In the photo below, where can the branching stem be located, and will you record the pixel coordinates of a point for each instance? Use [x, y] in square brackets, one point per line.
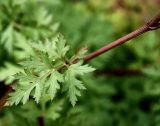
[151, 25]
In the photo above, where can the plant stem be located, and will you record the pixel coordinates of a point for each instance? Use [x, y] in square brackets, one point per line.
[40, 121]
[119, 72]
[3, 100]
[151, 25]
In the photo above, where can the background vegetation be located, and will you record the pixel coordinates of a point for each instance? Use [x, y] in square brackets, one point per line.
[125, 88]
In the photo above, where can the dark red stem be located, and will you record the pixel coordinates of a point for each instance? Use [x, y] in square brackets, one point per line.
[40, 121]
[151, 25]
[118, 72]
[3, 100]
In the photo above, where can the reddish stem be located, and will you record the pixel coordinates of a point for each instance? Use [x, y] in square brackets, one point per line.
[152, 25]
[41, 121]
[119, 72]
[3, 100]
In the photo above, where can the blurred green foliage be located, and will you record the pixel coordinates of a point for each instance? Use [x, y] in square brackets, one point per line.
[125, 89]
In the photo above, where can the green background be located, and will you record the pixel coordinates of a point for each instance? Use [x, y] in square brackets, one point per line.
[125, 88]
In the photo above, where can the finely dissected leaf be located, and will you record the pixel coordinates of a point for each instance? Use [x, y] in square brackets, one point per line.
[21, 93]
[7, 38]
[61, 48]
[53, 83]
[22, 46]
[55, 48]
[6, 73]
[73, 85]
[47, 46]
[43, 18]
[27, 83]
[38, 90]
[81, 52]
[79, 69]
[46, 69]
[40, 62]
[16, 30]
[25, 77]
[53, 112]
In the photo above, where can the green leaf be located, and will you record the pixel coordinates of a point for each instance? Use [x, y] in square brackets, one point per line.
[43, 18]
[46, 69]
[55, 48]
[39, 63]
[7, 38]
[81, 52]
[53, 111]
[61, 48]
[25, 77]
[79, 69]
[53, 83]
[7, 72]
[38, 91]
[47, 46]
[73, 85]
[21, 93]
[153, 71]
[27, 83]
